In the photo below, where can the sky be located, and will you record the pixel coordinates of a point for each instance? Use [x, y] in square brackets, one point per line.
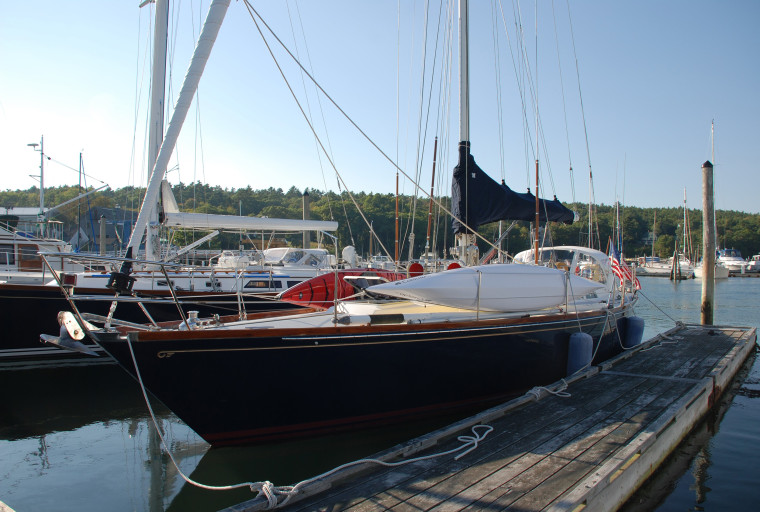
[629, 95]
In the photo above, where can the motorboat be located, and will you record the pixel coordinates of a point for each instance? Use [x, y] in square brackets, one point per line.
[732, 260]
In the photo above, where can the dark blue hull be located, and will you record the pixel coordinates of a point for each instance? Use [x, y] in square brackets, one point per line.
[256, 386]
[31, 310]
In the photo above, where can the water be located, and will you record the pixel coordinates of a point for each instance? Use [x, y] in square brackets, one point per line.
[81, 439]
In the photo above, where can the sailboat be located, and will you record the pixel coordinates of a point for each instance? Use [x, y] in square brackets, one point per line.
[29, 289]
[405, 351]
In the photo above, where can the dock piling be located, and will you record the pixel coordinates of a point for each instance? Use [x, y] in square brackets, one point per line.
[708, 244]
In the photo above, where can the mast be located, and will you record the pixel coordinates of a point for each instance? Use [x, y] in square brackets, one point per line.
[430, 203]
[464, 73]
[396, 260]
[214, 18]
[617, 226]
[538, 207]
[654, 233]
[712, 155]
[535, 241]
[465, 240]
[156, 122]
[686, 245]
[590, 212]
[79, 206]
[42, 177]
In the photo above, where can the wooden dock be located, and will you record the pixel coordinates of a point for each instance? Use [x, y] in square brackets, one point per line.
[587, 451]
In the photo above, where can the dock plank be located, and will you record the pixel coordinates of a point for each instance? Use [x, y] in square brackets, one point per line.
[540, 431]
[590, 449]
[561, 440]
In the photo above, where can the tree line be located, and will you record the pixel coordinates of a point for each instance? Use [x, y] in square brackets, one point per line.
[737, 230]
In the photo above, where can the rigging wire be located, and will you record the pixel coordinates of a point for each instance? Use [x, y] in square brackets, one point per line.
[525, 81]
[407, 220]
[254, 16]
[251, 11]
[592, 198]
[497, 77]
[422, 129]
[73, 169]
[564, 104]
[308, 104]
[139, 80]
[444, 123]
[420, 143]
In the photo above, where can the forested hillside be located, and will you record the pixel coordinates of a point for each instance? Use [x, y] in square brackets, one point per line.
[735, 229]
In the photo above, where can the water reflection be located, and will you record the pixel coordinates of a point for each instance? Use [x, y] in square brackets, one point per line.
[286, 463]
[684, 476]
[80, 439]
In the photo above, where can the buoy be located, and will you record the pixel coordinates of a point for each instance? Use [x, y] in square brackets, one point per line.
[416, 269]
[579, 351]
[634, 331]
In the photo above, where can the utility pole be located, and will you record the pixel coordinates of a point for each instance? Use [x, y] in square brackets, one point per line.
[41, 215]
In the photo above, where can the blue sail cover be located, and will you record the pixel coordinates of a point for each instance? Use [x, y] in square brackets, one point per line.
[477, 199]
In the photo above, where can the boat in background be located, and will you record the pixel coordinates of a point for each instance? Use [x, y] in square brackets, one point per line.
[754, 264]
[20, 262]
[146, 280]
[235, 280]
[654, 266]
[319, 292]
[732, 260]
[721, 272]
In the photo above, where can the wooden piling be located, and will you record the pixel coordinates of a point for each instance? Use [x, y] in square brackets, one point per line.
[708, 244]
[306, 216]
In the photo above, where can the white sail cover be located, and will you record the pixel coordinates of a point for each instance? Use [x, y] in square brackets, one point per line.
[208, 221]
[500, 287]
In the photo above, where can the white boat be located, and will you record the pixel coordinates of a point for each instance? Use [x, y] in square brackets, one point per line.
[269, 271]
[482, 287]
[20, 262]
[754, 264]
[659, 268]
[732, 260]
[721, 272]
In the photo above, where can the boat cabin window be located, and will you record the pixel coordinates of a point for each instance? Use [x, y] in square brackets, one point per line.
[28, 259]
[259, 284]
[293, 257]
[7, 255]
[291, 284]
[312, 261]
[734, 253]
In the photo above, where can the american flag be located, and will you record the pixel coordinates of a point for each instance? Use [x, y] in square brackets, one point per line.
[620, 268]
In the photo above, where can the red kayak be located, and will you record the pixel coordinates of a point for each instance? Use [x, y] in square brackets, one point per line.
[319, 291]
